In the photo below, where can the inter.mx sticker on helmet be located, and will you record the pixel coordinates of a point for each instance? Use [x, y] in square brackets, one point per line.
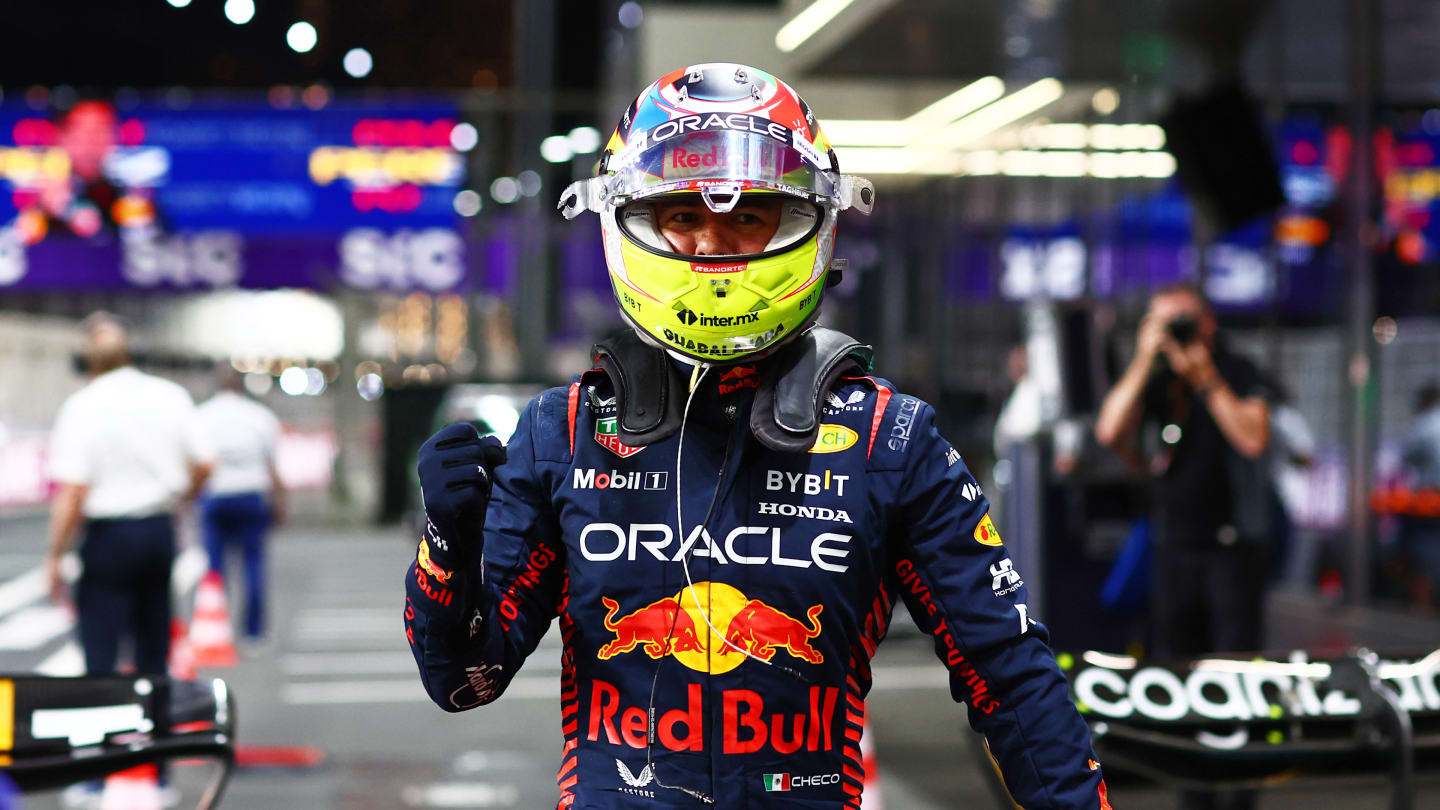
[689, 318]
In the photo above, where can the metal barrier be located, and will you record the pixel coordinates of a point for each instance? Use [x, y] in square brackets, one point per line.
[58, 731]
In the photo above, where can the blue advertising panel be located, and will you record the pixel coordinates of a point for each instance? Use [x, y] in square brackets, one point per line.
[230, 194]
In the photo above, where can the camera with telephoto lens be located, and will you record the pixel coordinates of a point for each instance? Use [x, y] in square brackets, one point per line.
[1184, 329]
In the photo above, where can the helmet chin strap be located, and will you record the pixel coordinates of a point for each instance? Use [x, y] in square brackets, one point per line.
[686, 361]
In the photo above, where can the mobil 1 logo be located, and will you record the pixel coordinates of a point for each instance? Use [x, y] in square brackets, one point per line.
[615, 479]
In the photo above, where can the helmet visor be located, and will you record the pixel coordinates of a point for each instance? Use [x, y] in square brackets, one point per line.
[741, 160]
[755, 225]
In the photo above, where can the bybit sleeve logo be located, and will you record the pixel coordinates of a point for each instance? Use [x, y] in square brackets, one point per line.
[834, 438]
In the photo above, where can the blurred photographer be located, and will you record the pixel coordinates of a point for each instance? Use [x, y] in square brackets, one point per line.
[1196, 417]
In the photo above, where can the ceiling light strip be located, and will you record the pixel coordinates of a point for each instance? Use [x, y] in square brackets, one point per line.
[1007, 110]
[804, 25]
[960, 103]
[1012, 163]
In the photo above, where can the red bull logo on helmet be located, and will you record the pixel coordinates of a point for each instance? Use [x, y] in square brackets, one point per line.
[738, 627]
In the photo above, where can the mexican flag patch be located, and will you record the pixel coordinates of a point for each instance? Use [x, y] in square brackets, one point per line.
[776, 781]
[606, 435]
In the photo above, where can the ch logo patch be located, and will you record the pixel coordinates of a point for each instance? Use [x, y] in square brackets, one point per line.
[834, 438]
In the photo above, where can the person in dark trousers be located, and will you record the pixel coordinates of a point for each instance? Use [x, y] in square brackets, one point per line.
[245, 494]
[125, 451]
[1211, 409]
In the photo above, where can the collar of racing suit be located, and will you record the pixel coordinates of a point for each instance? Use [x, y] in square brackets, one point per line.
[790, 385]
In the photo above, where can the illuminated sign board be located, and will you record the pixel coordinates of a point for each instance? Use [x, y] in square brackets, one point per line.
[224, 194]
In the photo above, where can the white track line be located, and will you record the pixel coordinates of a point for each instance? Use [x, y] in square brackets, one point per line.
[22, 590]
[33, 627]
[65, 662]
[29, 626]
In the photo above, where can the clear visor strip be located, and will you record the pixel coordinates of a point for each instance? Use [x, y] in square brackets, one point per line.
[593, 194]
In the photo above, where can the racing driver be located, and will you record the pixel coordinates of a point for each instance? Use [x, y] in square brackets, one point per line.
[723, 512]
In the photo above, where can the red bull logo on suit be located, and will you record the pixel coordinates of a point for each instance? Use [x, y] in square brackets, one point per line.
[677, 626]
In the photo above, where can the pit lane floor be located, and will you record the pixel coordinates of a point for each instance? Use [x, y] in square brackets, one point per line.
[337, 677]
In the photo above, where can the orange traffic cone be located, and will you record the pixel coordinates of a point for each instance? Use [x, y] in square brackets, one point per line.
[870, 799]
[182, 656]
[212, 642]
[134, 789]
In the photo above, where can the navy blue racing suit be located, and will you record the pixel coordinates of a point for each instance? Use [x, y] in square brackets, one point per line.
[762, 659]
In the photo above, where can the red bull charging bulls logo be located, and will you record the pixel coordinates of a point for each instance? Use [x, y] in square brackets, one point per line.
[738, 377]
[676, 626]
[659, 628]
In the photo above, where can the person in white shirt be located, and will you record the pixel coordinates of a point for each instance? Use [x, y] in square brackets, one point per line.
[125, 451]
[245, 493]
